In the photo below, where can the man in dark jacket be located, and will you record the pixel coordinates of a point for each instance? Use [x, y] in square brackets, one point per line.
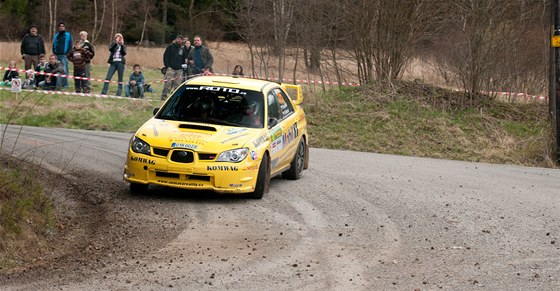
[51, 82]
[62, 44]
[32, 46]
[174, 62]
[201, 58]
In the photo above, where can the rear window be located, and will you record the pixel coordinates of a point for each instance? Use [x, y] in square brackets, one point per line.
[215, 105]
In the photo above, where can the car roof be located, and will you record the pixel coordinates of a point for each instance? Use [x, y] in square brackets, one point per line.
[232, 82]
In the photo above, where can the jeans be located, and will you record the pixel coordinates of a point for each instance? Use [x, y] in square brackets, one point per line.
[114, 67]
[86, 83]
[64, 61]
[136, 91]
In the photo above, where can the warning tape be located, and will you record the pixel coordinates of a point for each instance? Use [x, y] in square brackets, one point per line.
[68, 93]
[302, 81]
[518, 95]
[190, 76]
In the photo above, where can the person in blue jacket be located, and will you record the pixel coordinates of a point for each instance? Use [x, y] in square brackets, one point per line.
[62, 44]
[135, 86]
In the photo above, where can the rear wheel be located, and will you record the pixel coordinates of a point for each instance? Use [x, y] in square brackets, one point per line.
[136, 188]
[297, 164]
[263, 180]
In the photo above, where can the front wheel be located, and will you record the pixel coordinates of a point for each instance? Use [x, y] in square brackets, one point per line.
[263, 180]
[297, 164]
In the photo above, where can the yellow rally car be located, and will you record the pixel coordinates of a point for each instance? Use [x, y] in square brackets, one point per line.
[225, 134]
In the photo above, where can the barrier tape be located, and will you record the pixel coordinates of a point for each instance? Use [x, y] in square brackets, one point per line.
[68, 93]
[190, 76]
[525, 95]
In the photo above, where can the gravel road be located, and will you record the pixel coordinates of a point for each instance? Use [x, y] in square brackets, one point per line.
[355, 221]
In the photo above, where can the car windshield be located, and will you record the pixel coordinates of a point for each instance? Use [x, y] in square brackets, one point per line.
[215, 105]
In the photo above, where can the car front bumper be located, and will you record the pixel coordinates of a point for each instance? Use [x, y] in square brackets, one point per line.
[221, 177]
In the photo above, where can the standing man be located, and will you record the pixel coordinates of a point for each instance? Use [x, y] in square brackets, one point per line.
[173, 60]
[201, 58]
[62, 44]
[89, 47]
[32, 46]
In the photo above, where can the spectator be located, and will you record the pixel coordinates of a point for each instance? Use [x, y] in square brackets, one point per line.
[52, 82]
[174, 62]
[117, 60]
[62, 44]
[11, 72]
[188, 48]
[201, 58]
[135, 86]
[30, 81]
[88, 46]
[238, 71]
[32, 47]
[40, 70]
[79, 56]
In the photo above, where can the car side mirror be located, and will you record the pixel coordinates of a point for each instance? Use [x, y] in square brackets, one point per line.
[272, 122]
[155, 111]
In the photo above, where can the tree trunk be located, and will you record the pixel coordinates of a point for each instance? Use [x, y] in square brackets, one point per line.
[94, 20]
[101, 21]
[163, 20]
[144, 25]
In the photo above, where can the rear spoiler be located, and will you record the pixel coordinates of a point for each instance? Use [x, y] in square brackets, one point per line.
[299, 92]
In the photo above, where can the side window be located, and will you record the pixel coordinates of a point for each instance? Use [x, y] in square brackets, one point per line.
[284, 102]
[273, 107]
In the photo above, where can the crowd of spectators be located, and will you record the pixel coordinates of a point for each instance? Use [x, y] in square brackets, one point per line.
[181, 61]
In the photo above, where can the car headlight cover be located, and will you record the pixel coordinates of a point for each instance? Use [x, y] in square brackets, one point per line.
[139, 146]
[234, 156]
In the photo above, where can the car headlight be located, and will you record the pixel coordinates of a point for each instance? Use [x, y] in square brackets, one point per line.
[234, 156]
[139, 146]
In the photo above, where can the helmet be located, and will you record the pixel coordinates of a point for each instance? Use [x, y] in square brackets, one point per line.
[204, 105]
[250, 107]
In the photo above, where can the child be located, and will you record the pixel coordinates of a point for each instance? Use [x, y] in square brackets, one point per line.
[10, 74]
[79, 56]
[40, 68]
[135, 86]
[30, 81]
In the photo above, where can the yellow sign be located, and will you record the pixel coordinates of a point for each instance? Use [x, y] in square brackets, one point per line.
[555, 41]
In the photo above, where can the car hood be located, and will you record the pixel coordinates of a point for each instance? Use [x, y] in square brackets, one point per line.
[196, 136]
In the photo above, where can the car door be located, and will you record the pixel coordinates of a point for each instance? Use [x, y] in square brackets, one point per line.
[284, 134]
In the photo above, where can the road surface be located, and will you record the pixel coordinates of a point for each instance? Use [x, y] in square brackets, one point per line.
[355, 221]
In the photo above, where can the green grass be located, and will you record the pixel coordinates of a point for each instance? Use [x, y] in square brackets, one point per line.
[26, 213]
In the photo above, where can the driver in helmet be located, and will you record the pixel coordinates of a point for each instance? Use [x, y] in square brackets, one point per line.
[250, 114]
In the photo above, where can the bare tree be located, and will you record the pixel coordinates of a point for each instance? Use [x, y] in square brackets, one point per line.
[487, 44]
[96, 35]
[386, 34]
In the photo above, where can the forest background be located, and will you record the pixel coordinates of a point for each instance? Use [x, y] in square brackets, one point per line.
[491, 45]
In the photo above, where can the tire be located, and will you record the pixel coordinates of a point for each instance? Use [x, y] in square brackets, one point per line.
[136, 188]
[297, 164]
[263, 180]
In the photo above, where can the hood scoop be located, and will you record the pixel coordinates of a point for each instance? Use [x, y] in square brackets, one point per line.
[198, 127]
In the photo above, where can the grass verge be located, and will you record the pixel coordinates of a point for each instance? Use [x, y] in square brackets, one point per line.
[26, 213]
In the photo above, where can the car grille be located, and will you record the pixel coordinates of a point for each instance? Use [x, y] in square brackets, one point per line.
[182, 156]
[160, 152]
